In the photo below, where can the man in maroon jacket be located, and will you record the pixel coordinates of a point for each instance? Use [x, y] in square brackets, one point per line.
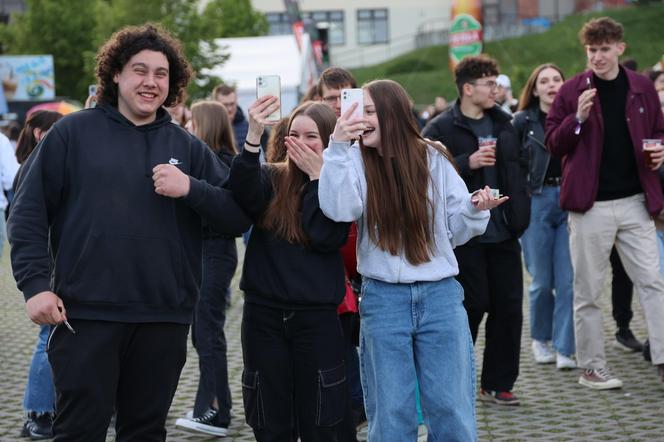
[597, 124]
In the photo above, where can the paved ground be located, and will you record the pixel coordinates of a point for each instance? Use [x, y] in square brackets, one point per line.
[554, 406]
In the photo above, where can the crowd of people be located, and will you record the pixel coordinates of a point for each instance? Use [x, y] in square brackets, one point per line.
[379, 232]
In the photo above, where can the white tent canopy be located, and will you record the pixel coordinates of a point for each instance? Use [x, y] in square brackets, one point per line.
[250, 57]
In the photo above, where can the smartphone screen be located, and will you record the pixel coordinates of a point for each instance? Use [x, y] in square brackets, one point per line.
[269, 85]
[350, 96]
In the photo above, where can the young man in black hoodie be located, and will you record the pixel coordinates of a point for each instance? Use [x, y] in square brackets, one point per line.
[106, 241]
[486, 149]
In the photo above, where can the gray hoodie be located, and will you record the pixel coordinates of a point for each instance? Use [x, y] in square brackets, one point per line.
[342, 192]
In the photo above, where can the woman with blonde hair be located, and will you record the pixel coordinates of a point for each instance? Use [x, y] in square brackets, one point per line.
[212, 406]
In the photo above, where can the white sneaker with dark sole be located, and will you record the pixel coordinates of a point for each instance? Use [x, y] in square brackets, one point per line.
[204, 424]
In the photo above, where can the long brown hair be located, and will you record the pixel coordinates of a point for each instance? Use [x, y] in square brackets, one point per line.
[399, 212]
[283, 213]
[213, 126]
[42, 120]
[527, 99]
[276, 143]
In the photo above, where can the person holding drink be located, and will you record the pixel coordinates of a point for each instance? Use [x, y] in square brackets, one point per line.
[598, 125]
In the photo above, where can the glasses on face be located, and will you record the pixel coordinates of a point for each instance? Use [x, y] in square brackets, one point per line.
[331, 99]
[490, 84]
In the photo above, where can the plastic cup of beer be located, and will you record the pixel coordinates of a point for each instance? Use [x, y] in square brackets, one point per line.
[649, 146]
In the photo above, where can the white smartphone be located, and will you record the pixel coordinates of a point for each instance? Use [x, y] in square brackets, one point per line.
[92, 90]
[269, 85]
[350, 96]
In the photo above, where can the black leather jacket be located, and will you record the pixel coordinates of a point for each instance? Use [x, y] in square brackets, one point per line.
[530, 130]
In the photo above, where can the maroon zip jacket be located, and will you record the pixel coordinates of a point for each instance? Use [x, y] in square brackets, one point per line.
[581, 153]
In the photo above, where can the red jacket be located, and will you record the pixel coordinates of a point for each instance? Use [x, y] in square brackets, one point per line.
[582, 153]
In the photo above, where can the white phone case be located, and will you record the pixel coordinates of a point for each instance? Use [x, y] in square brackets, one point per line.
[350, 96]
[269, 85]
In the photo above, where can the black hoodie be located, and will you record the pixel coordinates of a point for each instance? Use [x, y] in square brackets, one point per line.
[280, 274]
[86, 207]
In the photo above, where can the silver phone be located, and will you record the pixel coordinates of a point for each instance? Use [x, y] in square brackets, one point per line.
[269, 85]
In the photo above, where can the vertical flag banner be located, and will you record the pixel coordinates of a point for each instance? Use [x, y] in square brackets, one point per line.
[465, 30]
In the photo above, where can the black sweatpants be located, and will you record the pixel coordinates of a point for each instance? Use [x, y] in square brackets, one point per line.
[621, 292]
[492, 280]
[294, 379]
[132, 369]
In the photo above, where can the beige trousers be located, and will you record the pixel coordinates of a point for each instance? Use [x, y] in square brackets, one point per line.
[626, 223]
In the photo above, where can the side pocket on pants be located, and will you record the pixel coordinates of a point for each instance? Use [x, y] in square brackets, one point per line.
[50, 336]
[331, 396]
[253, 400]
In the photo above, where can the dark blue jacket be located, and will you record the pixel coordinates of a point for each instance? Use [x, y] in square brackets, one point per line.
[240, 127]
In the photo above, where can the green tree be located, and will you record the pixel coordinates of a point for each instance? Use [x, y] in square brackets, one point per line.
[233, 18]
[73, 30]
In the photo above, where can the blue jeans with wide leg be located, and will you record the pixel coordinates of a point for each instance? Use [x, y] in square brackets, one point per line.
[420, 332]
[39, 390]
[546, 252]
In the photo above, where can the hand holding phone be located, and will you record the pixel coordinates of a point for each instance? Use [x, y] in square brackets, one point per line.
[269, 85]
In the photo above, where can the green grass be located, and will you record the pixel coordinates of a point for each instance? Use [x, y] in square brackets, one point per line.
[425, 72]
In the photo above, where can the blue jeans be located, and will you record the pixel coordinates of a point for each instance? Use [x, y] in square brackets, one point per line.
[417, 332]
[39, 390]
[546, 252]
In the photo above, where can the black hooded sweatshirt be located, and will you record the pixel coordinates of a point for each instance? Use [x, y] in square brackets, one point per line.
[280, 274]
[88, 225]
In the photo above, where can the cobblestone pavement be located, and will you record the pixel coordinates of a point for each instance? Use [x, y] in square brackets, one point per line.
[553, 406]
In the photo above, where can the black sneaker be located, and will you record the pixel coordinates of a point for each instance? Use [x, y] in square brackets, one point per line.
[206, 424]
[627, 341]
[38, 426]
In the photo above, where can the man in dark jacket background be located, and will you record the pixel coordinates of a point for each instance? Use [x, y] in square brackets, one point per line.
[486, 151]
[227, 95]
[597, 124]
[106, 241]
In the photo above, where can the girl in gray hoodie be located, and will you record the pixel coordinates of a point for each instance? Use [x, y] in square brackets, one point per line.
[412, 209]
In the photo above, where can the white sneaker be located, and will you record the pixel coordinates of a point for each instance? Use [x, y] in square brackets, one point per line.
[599, 379]
[564, 362]
[542, 353]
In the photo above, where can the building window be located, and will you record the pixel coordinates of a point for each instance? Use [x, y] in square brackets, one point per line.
[336, 34]
[279, 23]
[372, 27]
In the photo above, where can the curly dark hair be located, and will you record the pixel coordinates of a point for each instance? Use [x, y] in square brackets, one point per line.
[601, 30]
[129, 41]
[473, 68]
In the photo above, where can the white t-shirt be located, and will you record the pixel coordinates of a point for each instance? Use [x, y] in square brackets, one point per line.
[8, 168]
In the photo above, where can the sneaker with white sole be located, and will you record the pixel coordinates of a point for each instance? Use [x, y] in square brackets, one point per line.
[542, 353]
[564, 362]
[599, 379]
[499, 397]
[205, 424]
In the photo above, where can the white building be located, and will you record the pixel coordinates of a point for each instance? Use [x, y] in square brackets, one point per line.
[364, 32]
